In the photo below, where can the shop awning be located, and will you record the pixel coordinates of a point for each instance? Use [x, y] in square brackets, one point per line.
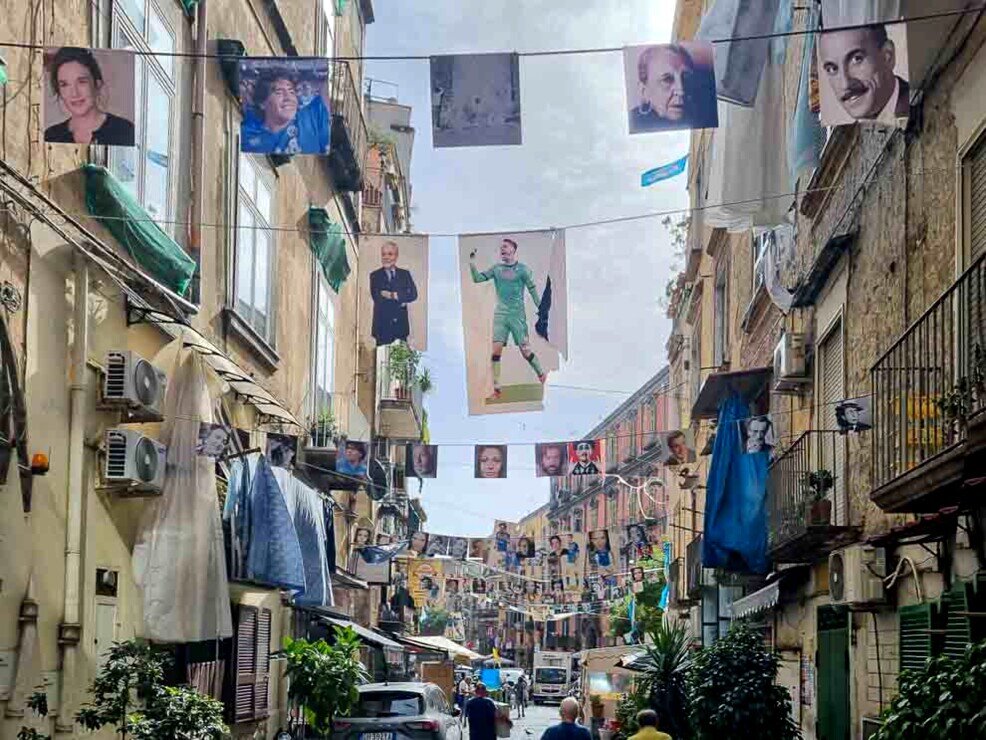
[759, 601]
[365, 634]
[444, 644]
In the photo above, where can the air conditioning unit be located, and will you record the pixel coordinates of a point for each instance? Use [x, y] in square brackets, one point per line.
[791, 363]
[136, 460]
[856, 575]
[133, 382]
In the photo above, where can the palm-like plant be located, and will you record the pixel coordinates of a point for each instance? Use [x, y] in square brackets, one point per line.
[665, 665]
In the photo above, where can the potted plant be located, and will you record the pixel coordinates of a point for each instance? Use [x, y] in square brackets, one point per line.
[323, 428]
[596, 702]
[425, 382]
[817, 485]
[403, 367]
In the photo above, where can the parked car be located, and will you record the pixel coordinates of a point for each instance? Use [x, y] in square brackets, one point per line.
[400, 711]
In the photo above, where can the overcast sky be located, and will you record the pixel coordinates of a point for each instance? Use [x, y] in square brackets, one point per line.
[577, 164]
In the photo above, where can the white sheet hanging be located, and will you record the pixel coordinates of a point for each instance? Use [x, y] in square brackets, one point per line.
[853, 12]
[178, 559]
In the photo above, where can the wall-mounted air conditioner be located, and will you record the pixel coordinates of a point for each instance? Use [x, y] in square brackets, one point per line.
[135, 460]
[791, 363]
[135, 384]
[856, 575]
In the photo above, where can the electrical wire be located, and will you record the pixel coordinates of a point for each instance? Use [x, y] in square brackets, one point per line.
[539, 53]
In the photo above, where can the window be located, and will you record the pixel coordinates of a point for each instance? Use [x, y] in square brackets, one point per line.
[761, 244]
[324, 364]
[831, 382]
[327, 29]
[255, 249]
[974, 174]
[252, 676]
[720, 314]
[146, 169]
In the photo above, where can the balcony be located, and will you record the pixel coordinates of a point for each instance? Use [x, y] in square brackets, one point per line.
[929, 402]
[399, 397]
[347, 150]
[808, 500]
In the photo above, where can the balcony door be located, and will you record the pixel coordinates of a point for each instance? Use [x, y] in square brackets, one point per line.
[971, 295]
[830, 452]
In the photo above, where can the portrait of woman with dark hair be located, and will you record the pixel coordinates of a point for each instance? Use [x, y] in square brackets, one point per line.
[80, 86]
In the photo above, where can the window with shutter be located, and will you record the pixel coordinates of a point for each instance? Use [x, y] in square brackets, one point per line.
[252, 664]
[958, 630]
[975, 177]
[831, 369]
[917, 635]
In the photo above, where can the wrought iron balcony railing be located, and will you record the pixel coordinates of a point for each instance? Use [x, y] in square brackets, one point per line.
[347, 150]
[808, 500]
[925, 389]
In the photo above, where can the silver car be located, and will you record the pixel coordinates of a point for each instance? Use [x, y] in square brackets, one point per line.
[400, 711]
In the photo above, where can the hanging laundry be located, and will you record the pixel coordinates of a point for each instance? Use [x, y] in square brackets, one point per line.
[739, 64]
[305, 507]
[837, 13]
[807, 137]
[273, 553]
[178, 559]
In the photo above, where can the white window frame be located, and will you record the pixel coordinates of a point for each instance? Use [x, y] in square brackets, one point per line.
[720, 316]
[148, 69]
[325, 43]
[262, 175]
[761, 244]
[323, 372]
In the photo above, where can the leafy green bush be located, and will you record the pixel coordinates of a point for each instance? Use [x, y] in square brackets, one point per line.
[734, 694]
[629, 704]
[324, 677]
[664, 677]
[946, 699]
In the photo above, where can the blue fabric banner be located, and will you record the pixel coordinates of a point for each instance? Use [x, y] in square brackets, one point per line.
[735, 506]
[663, 173]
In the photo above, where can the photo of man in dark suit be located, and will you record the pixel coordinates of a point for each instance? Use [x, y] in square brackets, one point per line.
[392, 288]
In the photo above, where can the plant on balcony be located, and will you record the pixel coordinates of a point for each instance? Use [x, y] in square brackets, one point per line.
[403, 368]
[955, 407]
[816, 486]
[425, 382]
[323, 677]
[733, 690]
[322, 430]
[944, 699]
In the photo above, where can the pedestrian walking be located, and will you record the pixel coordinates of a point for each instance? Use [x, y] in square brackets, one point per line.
[568, 728]
[481, 715]
[462, 693]
[647, 720]
[520, 696]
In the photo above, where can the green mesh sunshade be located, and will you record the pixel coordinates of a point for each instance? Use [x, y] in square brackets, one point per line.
[328, 244]
[189, 5]
[116, 208]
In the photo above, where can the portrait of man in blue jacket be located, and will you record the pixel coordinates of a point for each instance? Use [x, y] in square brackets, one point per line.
[392, 288]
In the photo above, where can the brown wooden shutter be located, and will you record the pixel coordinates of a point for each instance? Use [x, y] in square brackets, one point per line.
[261, 692]
[832, 378]
[977, 201]
[252, 664]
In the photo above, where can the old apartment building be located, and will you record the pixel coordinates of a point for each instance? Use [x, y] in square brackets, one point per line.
[874, 290]
[275, 328]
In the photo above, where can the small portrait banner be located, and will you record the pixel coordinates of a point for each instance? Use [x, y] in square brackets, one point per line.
[863, 75]
[475, 100]
[421, 460]
[373, 565]
[599, 551]
[757, 434]
[281, 449]
[437, 545]
[677, 447]
[638, 541]
[490, 461]
[394, 282]
[854, 415]
[479, 548]
[551, 459]
[89, 98]
[514, 317]
[285, 106]
[362, 537]
[352, 458]
[584, 457]
[671, 87]
[425, 581]
[458, 548]
[418, 543]
[213, 439]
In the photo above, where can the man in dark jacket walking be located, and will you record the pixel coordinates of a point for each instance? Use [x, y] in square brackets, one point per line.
[481, 715]
[392, 288]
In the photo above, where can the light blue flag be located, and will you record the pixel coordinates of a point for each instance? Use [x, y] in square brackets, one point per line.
[663, 173]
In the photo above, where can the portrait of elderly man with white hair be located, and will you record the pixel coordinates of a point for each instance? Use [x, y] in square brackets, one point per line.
[392, 289]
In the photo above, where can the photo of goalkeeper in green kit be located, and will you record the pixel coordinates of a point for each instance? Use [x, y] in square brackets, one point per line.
[512, 280]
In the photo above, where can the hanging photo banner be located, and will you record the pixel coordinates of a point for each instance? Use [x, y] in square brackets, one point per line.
[584, 457]
[671, 87]
[89, 97]
[418, 543]
[490, 461]
[421, 461]
[281, 449]
[373, 565]
[863, 75]
[352, 459]
[600, 554]
[551, 459]
[425, 578]
[638, 541]
[677, 447]
[479, 549]
[285, 106]
[475, 100]
[854, 415]
[362, 537]
[757, 434]
[514, 315]
[437, 545]
[213, 439]
[479, 586]
[458, 548]
[394, 281]
[659, 174]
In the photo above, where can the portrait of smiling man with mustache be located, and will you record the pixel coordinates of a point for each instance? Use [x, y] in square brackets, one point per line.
[859, 65]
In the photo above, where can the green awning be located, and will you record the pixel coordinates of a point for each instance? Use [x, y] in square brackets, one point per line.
[328, 244]
[189, 5]
[110, 203]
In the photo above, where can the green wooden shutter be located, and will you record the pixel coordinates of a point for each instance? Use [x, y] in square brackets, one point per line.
[958, 631]
[915, 636]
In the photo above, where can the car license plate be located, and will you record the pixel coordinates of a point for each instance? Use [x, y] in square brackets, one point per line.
[376, 736]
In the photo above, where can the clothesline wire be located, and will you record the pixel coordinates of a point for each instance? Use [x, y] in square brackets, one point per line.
[539, 53]
[583, 225]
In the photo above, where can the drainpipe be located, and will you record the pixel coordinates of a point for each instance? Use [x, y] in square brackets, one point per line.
[70, 630]
[198, 143]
